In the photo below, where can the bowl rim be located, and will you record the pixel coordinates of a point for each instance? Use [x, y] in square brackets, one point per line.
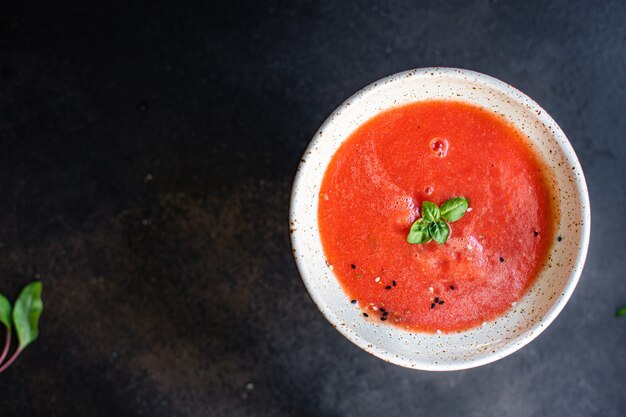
[581, 186]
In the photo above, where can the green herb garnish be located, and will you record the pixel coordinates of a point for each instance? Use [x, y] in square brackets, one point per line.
[430, 212]
[453, 209]
[434, 222]
[620, 312]
[23, 317]
[419, 232]
[439, 231]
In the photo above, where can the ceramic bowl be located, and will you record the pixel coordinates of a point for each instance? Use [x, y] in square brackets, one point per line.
[533, 312]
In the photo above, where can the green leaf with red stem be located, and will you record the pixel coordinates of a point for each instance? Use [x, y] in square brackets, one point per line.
[26, 312]
[5, 312]
[5, 318]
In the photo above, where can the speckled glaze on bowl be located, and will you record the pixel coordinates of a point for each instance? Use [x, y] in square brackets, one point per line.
[543, 301]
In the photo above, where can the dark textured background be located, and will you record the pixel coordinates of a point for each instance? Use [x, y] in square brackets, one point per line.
[146, 156]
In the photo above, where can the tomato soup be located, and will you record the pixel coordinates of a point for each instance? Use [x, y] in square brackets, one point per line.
[372, 192]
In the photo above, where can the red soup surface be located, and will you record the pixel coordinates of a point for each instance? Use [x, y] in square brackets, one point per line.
[435, 150]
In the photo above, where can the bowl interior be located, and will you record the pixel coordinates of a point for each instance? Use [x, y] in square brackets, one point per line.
[545, 298]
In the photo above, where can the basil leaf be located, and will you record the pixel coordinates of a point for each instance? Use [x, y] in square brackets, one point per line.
[430, 212]
[418, 232]
[26, 312]
[621, 312]
[5, 311]
[454, 208]
[439, 231]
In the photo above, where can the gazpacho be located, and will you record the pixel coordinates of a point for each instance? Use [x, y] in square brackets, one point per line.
[436, 216]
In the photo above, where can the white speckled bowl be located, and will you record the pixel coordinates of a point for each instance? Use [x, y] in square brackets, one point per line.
[544, 300]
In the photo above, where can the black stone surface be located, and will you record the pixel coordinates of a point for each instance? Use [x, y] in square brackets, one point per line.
[147, 150]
